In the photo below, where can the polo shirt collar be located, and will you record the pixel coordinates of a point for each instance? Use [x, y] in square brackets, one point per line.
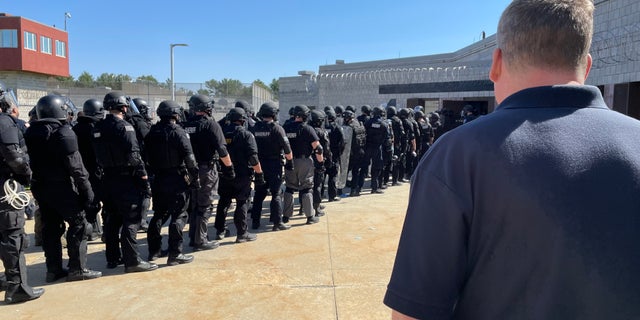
[559, 96]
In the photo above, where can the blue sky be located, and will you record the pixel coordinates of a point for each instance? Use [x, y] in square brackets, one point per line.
[249, 40]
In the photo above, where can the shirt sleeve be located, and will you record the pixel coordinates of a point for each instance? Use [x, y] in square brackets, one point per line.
[431, 260]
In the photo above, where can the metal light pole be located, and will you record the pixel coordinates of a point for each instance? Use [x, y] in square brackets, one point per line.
[173, 85]
[66, 15]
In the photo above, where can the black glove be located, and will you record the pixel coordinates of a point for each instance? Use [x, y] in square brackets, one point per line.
[228, 173]
[24, 180]
[288, 165]
[87, 199]
[259, 179]
[319, 167]
[195, 183]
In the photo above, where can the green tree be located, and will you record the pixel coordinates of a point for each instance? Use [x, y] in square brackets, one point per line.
[147, 79]
[259, 82]
[275, 88]
[212, 86]
[112, 81]
[85, 80]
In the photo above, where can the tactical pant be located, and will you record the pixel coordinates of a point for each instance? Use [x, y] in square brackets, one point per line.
[170, 202]
[272, 169]
[387, 159]
[12, 246]
[200, 203]
[373, 156]
[239, 189]
[332, 176]
[299, 179]
[59, 203]
[123, 196]
[356, 163]
[318, 182]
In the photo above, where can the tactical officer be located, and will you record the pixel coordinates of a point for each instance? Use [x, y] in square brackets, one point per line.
[356, 154]
[143, 108]
[399, 142]
[468, 113]
[272, 144]
[347, 133]
[426, 132]
[61, 185]
[292, 117]
[413, 154]
[436, 125]
[92, 112]
[409, 147]
[316, 120]
[377, 132]
[336, 143]
[339, 110]
[142, 127]
[365, 114]
[209, 148]
[14, 173]
[244, 154]
[304, 142]
[387, 155]
[175, 170]
[125, 183]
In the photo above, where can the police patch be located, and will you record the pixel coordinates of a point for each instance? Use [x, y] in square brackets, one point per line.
[96, 134]
[190, 129]
[129, 128]
[375, 125]
[292, 135]
[262, 134]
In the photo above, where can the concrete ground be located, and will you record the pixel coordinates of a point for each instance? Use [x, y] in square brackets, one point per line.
[335, 269]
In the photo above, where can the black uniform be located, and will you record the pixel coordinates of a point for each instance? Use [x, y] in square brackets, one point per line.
[14, 163]
[405, 149]
[208, 144]
[241, 146]
[357, 158]
[142, 127]
[272, 142]
[84, 131]
[412, 155]
[399, 144]
[336, 143]
[318, 175]
[60, 184]
[173, 164]
[300, 179]
[377, 133]
[118, 153]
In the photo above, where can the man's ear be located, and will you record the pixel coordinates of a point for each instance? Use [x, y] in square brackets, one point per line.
[496, 65]
[588, 68]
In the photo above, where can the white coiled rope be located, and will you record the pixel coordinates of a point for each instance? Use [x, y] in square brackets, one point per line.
[18, 200]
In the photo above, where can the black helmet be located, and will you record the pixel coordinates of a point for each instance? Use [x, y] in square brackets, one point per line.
[200, 103]
[339, 109]
[115, 100]
[418, 108]
[142, 105]
[327, 108]
[169, 109]
[419, 115]
[246, 106]
[404, 113]
[301, 111]
[348, 115]
[316, 118]
[469, 108]
[236, 114]
[291, 111]
[366, 109]
[377, 111]
[268, 109]
[391, 111]
[331, 115]
[434, 117]
[53, 107]
[93, 108]
[351, 108]
[7, 99]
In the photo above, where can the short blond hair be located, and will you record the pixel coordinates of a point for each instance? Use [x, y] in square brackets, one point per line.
[548, 34]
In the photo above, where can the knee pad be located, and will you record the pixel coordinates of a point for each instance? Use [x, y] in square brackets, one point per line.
[88, 229]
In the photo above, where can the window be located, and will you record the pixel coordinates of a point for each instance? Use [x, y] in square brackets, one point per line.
[61, 49]
[8, 38]
[45, 45]
[29, 40]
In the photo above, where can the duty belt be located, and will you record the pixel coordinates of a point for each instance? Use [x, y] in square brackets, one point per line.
[302, 156]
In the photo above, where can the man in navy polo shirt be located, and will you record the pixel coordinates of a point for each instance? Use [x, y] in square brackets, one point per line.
[536, 217]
